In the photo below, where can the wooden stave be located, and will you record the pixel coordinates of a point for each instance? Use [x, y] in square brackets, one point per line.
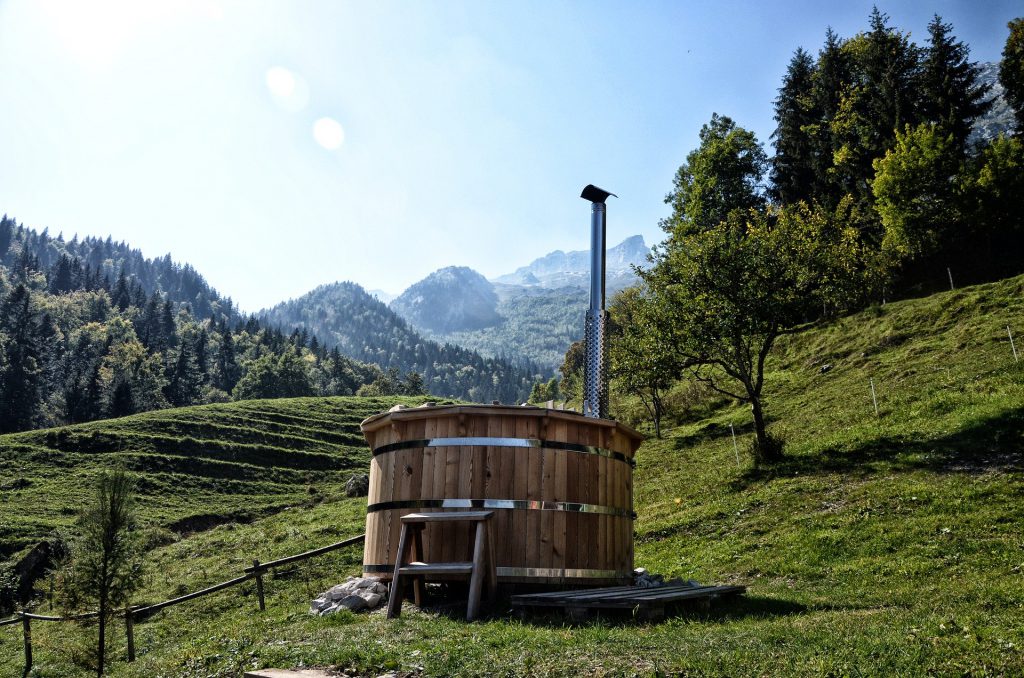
[578, 476]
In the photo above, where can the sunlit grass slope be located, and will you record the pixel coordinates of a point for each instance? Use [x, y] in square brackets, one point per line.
[884, 545]
[197, 466]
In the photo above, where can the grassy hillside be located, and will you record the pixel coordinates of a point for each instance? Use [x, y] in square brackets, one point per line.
[197, 465]
[883, 545]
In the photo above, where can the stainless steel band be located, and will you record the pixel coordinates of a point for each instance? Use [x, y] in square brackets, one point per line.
[516, 504]
[548, 572]
[503, 442]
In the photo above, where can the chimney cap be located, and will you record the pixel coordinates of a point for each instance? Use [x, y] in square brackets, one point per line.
[595, 194]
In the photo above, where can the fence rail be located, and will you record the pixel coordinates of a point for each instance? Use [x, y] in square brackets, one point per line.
[131, 614]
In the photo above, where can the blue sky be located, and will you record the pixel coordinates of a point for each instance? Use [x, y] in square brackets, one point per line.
[279, 146]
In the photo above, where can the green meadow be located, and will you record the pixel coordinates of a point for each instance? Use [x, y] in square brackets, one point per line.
[888, 544]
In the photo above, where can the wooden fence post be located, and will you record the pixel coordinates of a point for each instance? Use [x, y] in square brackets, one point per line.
[26, 627]
[129, 628]
[259, 585]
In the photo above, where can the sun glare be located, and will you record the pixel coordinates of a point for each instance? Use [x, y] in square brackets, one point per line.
[329, 133]
[289, 90]
[95, 33]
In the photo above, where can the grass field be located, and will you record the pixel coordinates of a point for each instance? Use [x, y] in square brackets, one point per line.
[883, 545]
[197, 466]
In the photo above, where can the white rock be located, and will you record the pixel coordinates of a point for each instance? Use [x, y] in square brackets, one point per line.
[373, 600]
[354, 603]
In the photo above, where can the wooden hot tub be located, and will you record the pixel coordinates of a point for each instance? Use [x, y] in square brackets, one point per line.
[560, 485]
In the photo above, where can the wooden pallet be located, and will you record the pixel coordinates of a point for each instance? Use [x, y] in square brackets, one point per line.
[648, 604]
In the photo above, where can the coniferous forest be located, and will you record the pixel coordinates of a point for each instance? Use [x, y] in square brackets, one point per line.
[91, 329]
[365, 329]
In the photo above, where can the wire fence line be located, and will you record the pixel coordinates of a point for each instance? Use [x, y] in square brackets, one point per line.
[132, 614]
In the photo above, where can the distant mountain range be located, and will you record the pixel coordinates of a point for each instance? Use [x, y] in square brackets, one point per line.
[535, 313]
[999, 119]
[572, 269]
[343, 314]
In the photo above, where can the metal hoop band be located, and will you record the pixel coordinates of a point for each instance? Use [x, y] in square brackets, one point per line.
[503, 442]
[515, 504]
[546, 572]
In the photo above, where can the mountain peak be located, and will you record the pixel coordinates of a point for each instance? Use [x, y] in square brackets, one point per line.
[450, 299]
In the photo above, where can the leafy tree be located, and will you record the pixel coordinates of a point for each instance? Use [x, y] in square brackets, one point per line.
[723, 174]
[414, 384]
[644, 355]
[796, 114]
[994, 191]
[293, 376]
[387, 383]
[571, 384]
[105, 563]
[734, 289]
[952, 96]
[1011, 70]
[259, 380]
[915, 189]
[284, 376]
[543, 391]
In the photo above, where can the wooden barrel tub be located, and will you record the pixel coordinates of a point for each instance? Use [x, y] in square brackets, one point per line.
[560, 485]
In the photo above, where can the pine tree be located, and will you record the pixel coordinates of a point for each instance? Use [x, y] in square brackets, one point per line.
[227, 372]
[6, 235]
[106, 555]
[202, 339]
[21, 376]
[121, 295]
[889, 66]
[60, 279]
[121, 402]
[184, 380]
[1011, 71]
[952, 96]
[832, 78]
[793, 167]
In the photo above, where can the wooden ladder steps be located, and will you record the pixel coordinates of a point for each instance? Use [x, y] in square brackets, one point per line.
[480, 568]
[437, 568]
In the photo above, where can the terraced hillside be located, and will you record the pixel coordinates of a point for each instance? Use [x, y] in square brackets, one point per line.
[198, 466]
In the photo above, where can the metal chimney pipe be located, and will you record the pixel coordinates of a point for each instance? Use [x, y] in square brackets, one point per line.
[595, 378]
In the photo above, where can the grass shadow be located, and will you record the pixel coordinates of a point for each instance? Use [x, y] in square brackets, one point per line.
[710, 432]
[992, 443]
[729, 609]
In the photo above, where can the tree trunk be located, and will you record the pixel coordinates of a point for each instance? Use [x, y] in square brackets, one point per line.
[101, 648]
[765, 451]
[657, 417]
[102, 645]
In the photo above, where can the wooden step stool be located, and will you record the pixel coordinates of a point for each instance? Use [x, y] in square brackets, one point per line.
[483, 558]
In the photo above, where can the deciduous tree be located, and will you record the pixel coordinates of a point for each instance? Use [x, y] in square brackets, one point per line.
[734, 289]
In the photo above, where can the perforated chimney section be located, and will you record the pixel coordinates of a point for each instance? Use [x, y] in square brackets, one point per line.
[595, 377]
